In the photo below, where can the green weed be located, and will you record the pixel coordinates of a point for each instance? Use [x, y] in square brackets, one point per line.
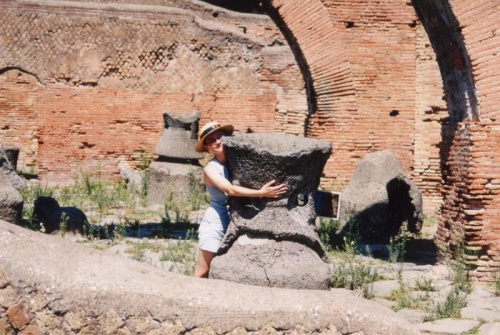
[397, 244]
[450, 308]
[182, 257]
[63, 226]
[405, 299]
[354, 274]
[460, 271]
[327, 231]
[426, 284]
[138, 250]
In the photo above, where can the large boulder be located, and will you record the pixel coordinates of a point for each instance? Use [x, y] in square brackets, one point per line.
[170, 177]
[6, 167]
[380, 198]
[48, 212]
[11, 201]
[60, 287]
[179, 136]
[273, 242]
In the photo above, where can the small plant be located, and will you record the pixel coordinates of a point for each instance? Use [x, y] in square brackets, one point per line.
[326, 231]
[192, 235]
[144, 162]
[120, 231]
[64, 224]
[182, 257]
[405, 299]
[455, 300]
[138, 250]
[397, 244]
[426, 284]
[354, 274]
[197, 193]
[460, 271]
[30, 219]
[497, 284]
[473, 331]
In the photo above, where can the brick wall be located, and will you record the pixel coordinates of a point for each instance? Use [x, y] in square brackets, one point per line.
[471, 207]
[430, 113]
[18, 126]
[104, 76]
[471, 180]
[376, 84]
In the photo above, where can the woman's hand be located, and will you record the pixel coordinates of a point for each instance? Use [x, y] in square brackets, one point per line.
[270, 191]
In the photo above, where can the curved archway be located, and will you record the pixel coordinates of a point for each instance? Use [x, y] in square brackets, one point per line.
[323, 59]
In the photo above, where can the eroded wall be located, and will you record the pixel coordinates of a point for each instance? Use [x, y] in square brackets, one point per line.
[104, 74]
[471, 178]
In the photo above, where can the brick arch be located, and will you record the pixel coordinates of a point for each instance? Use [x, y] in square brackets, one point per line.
[442, 28]
[314, 39]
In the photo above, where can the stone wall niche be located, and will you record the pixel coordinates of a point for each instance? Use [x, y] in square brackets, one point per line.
[273, 242]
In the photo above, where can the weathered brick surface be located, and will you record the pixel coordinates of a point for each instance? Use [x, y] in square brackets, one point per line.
[18, 115]
[480, 28]
[430, 112]
[100, 82]
[471, 207]
[471, 178]
[362, 57]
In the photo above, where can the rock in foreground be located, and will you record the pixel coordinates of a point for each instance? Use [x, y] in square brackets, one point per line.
[62, 285]
[273, 242]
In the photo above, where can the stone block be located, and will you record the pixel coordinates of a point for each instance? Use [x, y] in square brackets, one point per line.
[273, 242]
[11, 201]
[448, 326]
[8, 297]
[48, 212]
[10, 173]
[380, 197]
[179, 136]
[168, 177]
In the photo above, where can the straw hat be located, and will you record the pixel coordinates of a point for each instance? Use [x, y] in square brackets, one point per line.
[209, 128]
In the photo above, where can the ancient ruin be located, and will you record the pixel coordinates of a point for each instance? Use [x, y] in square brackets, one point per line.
[84, 85]
[273, 242]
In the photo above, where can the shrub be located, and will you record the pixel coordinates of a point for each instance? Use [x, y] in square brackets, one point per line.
[182, 257]
[327, 231]
[353, 275]
[450, 308]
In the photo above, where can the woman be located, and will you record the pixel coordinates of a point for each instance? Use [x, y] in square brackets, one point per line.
[215, 175]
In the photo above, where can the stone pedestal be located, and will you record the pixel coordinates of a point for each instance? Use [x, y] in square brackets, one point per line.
[166, 177]
[177, 164]
[273, 242]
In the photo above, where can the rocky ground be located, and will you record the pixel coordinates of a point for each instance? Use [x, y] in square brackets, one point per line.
[413, 289]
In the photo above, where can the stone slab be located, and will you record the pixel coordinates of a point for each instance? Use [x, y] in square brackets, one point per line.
[166, 177]
[448, 326]
[489, 329]
[478, 313]
[77, 278]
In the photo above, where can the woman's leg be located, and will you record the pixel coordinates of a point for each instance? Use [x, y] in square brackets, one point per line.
[203, 265]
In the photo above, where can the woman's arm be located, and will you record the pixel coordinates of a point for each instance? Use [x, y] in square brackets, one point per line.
[214, 178]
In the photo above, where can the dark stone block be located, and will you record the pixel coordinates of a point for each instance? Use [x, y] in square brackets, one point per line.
[279, 224]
